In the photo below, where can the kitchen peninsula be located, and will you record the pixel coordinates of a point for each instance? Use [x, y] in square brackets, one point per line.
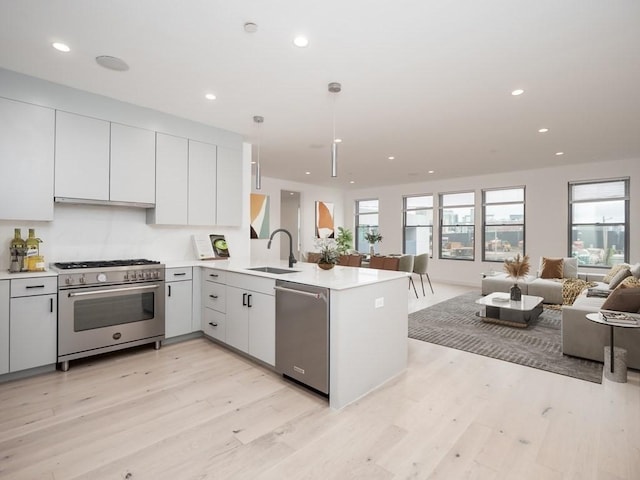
[368, 315]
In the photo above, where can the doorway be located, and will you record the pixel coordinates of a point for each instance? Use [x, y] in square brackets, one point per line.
[290, 220]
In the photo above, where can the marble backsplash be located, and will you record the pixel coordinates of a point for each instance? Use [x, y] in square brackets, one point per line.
[87, 232]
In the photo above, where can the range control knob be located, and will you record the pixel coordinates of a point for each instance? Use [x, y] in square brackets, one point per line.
[102, 277]
[82, 279]
[68, 280]
[141, 275]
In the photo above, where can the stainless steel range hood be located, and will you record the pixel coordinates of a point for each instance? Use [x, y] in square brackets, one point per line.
[87, 201]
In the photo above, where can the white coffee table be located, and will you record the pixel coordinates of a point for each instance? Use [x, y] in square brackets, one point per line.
[498, 308]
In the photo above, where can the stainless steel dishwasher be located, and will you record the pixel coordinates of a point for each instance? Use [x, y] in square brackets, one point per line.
[302, 334]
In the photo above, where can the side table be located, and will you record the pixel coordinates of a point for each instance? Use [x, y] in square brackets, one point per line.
[620, 376]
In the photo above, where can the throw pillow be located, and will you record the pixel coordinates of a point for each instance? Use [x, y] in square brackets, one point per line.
[619, 277]
[611, 273]
[623, 299]
[570, 267]
[631, 282]
[635, 270]
[551, 267]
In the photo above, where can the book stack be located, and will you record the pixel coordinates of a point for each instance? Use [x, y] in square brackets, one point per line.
[598, 292]
[619, 318]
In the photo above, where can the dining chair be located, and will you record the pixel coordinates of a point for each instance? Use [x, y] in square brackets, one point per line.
[405, 264]
[420, 265]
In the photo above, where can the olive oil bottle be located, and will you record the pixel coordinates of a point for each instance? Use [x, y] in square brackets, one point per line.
[34, 262]
[17, 249]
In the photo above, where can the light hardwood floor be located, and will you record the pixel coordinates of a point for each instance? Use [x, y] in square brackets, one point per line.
[194, 410]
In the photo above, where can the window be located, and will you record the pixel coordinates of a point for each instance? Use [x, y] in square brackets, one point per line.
[418, 224]
[599, 222]
[366, 221]
[503, 227]
[457, 224]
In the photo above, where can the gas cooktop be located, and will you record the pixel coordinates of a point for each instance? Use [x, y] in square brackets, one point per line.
[104, 264]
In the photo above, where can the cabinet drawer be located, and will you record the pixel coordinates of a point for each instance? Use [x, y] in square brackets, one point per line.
[177, 274]
[214, 324]
[212, 275]
[25, 287]
[214, 295]
[251, 282]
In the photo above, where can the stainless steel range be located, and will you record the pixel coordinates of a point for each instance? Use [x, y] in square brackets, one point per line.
[108, 305]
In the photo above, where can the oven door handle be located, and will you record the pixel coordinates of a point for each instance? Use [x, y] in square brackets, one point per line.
[112, 290]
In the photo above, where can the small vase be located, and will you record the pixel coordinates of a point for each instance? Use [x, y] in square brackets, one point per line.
[372, 250]
[326, 266]
[515, 293]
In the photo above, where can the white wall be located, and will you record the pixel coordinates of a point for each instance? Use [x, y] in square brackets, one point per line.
[309, 194]
[546, 212]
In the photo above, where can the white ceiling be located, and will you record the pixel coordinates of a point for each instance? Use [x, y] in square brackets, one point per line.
[426, 81]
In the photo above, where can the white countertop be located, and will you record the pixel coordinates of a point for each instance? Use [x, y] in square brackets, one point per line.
[338, 278]
[6, 275]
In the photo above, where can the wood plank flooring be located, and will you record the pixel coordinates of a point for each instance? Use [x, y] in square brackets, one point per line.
[194, 410]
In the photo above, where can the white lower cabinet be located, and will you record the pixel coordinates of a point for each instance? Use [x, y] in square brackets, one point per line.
[4, 326]
[214, 304]
[250, 325]
[33, 323]
[178, 303]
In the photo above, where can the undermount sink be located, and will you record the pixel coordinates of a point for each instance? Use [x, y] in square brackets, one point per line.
[278, 271]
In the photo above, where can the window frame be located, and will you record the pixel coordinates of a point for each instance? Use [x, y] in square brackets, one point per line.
[484, 218]
[357, 215]
[405, 209]
[442, 226]
[626, 198]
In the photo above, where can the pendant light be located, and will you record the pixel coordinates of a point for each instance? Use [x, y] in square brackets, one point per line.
[335, 88]
[258, 120]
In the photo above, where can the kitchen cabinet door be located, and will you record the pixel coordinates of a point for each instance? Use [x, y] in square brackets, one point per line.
[178, 308]
[229, 187]
[26, 159]
[202, 184]
[262, 327]
[237, 319]
[133, 165]
[33, 330]
[81, 157]
[4, 326]
[172, 181]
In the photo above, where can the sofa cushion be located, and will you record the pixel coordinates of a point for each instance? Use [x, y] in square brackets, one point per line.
[619, 277]
[631, 282]
[551, 268]
[611, 273]
[623, 299]
[635, 270]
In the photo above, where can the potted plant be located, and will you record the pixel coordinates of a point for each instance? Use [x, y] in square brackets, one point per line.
[344, 240]
[372, 237]
[517, 268]
[329, 253]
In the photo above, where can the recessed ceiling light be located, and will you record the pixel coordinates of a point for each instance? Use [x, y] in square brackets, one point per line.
[517, 92]
[253, 162]
[559, 153]
[61, 47]
[112, 63]
[291, 193]
[391, 158]
[307, 173]
[250, 27]
[338, 140]
[431, 171]
[301, 41]
[543, 130]
[210, 96]
[352, 181]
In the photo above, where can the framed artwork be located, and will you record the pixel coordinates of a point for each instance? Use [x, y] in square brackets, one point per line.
[259, 215]
[324, 220]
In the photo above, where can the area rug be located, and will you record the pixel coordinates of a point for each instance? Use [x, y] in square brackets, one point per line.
[453, 323]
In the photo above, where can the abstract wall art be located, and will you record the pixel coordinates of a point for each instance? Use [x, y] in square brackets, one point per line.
[259, 215]
[324, 220]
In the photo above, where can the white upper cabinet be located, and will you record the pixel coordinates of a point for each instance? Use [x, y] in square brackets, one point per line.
[26, 160]
[82, 157]
[101, 161]
[172, 181]
[229, 187]
[202, 183]
[133, 163]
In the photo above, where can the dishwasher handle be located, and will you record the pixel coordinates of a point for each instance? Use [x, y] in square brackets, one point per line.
[299, 292]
